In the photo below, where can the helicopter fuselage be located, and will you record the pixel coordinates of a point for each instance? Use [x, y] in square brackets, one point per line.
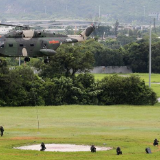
[16, 44]
[31, 43]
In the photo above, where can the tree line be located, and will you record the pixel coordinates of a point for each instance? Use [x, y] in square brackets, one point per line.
[21, 87]
[58, 84]
[134, 55]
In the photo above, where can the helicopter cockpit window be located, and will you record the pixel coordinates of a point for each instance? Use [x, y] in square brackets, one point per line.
[1, 44]
[10, 45]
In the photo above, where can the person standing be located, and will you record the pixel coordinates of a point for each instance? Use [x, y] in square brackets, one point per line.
[2, 130]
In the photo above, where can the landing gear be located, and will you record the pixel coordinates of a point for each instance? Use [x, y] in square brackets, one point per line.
[46, 60]
[26, 59]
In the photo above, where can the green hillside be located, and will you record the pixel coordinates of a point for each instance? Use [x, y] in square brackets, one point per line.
[125, 10]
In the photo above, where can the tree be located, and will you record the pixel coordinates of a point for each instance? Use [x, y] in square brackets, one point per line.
[110, 57]
[3, 67]
[68, 60]
[125, 90]
[102, 31]
[20, 87]
[116, 28]
[136, 56]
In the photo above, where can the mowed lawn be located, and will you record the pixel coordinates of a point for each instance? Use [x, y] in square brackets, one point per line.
[133, 128]
[155, 79]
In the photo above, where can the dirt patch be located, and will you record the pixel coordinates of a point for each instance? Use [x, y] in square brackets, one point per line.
[24, 138]
[62, 148]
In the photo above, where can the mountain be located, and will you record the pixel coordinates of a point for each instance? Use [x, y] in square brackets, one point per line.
[124, 10]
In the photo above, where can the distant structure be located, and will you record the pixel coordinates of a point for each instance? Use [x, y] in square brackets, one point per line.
[155, 15]
[5, 30]
[111, 69]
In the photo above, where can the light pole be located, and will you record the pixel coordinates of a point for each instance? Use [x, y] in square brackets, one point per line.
[150, 54]
[144, 11]
[45, 9]
[99, 11]
[19, 61]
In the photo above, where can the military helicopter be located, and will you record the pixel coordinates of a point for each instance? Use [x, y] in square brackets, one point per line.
[26, 42]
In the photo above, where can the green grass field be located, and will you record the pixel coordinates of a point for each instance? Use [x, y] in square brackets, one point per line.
[155, 78]
[133, 128]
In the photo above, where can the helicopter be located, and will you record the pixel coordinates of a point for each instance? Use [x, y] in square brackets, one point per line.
[26, 42]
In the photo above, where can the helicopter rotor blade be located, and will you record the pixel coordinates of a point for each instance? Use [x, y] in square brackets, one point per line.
[14, 25]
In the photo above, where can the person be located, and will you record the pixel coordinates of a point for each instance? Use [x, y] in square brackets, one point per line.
[43, 147]
[93, 148]
[118, 150]
[155, 142]
[148, 150]
[2, 130]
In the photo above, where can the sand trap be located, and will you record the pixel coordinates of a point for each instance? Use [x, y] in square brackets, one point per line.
[62, 148]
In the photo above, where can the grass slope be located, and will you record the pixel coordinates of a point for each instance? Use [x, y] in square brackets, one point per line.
[133, 128]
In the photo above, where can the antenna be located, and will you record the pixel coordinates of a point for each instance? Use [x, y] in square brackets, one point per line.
[144, 11]
[45, 9]
[66, 8]
[99, 11]
[150, 53]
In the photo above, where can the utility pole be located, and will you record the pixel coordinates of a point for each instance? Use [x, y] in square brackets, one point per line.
[99, 12]
[150, 54]
[66, 8]
[144, 7]
[135, 14]
[45, 9]
[19, 61]
[155, 25]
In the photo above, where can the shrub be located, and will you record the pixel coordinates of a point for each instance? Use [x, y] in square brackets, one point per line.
[125, 90]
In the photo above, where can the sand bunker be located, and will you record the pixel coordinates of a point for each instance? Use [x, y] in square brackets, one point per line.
[63, 148]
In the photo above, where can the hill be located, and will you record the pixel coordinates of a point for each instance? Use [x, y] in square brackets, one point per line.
[124, 10]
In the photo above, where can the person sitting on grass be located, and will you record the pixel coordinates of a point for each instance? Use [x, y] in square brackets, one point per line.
[118, 150]
[43, 147]
[93, 148]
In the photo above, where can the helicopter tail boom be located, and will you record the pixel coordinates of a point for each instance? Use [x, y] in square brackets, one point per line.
[83, 36]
